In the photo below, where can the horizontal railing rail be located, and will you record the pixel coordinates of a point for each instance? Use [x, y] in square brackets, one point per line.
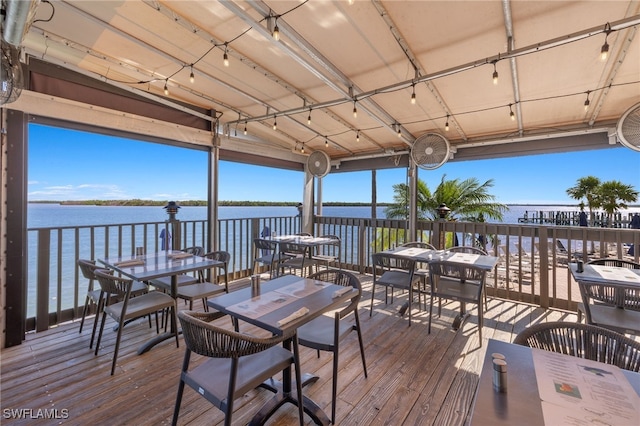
[532, 258]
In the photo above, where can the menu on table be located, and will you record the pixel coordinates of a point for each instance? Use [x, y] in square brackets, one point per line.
[576, 391]
[411, 251]
[464, 258]
[616, 274]
[267, 302]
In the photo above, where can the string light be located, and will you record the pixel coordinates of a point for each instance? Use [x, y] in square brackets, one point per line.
[309, 118]
[413, 94]
[326, 142]
[302, 149]
[275, 123]
[604, 51]
[358, 136]
[495, 73]
[192, 78]
[399, 130]
[355, 110]
[446, 125]
[276, 31]
[511, 114]
[586, 102]
[351, 2]
[245, 128]
[225, 57]
[166, 89]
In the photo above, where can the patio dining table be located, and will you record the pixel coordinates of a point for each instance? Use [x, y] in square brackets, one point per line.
[551, 388]
[424, 255]
[170, 263]
[281, 304]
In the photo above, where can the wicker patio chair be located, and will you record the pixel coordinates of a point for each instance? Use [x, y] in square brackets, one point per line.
[395, 272]
[325, 333]
[294, 256]
[329, 253]
[266, 254]
[164, 283]
[600, 295]
[462, 283]
[204, 289]
[584, 341]
[129, 308]
[88, 268]
[238, 362]
[422, 269]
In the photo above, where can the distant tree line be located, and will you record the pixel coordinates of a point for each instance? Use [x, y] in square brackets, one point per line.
[186, 203]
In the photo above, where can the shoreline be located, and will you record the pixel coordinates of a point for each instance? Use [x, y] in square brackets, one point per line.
[199, 203]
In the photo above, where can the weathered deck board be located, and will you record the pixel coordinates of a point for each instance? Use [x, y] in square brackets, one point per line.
[414, 378]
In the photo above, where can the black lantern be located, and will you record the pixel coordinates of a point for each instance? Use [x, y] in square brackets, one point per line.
[172, 209]
[443, 211]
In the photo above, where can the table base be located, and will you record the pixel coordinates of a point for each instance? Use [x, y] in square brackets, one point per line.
[158, 339]
[281, 397]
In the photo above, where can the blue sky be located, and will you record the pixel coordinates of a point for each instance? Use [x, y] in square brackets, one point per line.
[72, 165]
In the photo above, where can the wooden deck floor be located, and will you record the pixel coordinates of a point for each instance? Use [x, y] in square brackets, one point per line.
[415, 378]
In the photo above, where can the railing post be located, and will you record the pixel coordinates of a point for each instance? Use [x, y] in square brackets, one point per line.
[543, 244]
[362, 242]
[42, 292]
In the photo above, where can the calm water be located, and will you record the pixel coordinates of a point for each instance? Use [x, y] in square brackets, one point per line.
[46, 215]
[55, 215]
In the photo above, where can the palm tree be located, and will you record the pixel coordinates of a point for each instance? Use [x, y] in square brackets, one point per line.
[614, 195]
[587, 188]
[468, 200]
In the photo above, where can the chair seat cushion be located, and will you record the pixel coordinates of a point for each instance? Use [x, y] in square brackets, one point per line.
[622, 320]
[211, 378]
[165, 282]
[141, 305]
[199, 290]
[318, 334]
[396, 279]
[455, 290]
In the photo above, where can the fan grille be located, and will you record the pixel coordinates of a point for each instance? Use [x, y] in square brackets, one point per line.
[629, 128]
[11, 80]
[319, 163]
[430, 151]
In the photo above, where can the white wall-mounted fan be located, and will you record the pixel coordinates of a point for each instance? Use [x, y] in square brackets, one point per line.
[430, 151]
[628, 129]
[11, 78]
[319, 163]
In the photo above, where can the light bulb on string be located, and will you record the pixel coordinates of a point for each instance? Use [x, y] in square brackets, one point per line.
[276, 31]
[587, 102]
[399, 133]
[192, 77]
[302, 149]
[446, 125]
[495, 73]
[326, 142]
[355, 110]
[309, 118]
[225, 58]
[275, 123]
[511, 114]
[166, 89]
[604, 50]
[413, 95]
[245, 128]
[358, 136]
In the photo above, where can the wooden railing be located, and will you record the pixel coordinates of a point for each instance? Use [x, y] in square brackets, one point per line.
[532, 267]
